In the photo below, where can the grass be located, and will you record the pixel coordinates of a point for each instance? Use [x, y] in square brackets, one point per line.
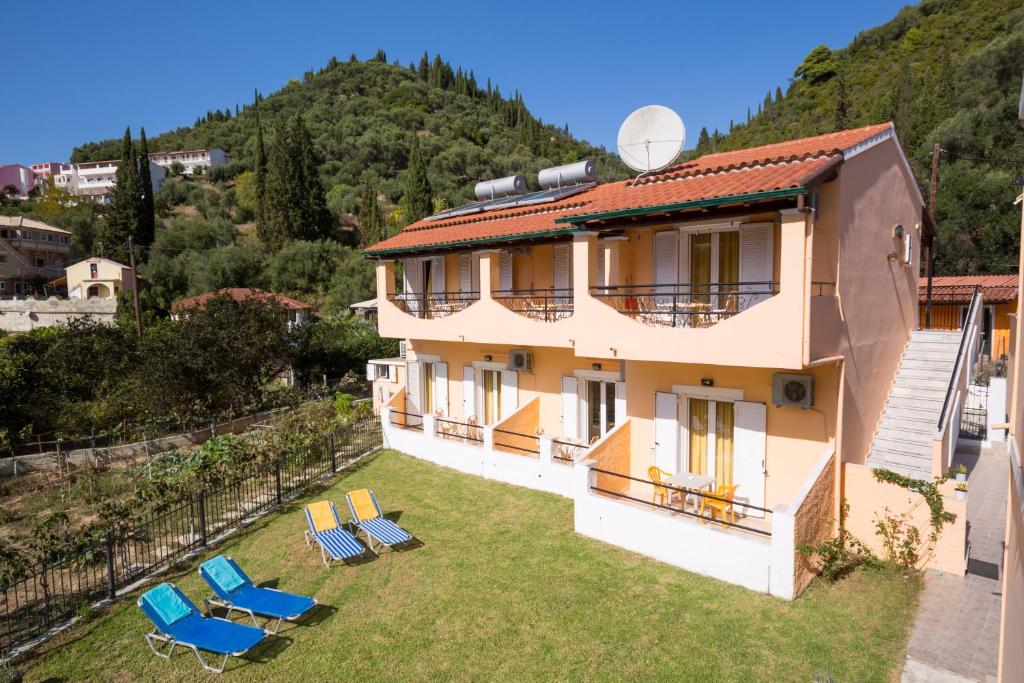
[503, 589]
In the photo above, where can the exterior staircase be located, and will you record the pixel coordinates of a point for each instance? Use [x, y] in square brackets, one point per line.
[903, 440]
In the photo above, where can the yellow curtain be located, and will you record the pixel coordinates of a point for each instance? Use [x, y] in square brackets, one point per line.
[428, 388]
[490, 397]
[728, 264]
[700, 266]
[723, 443]
[698, 436]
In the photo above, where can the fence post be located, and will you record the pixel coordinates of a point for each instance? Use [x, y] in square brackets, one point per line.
[108, 541]
[202, 518]
[277, 481]
[334, 455]
[46, 593]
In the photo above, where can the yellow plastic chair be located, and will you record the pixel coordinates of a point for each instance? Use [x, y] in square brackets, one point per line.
[655, 474]
[724, 507]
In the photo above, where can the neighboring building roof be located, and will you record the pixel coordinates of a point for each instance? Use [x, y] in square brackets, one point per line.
[99, 258]
[359, 305]
[769, 171]
[22, 222]
[994, 288]
[238, 294]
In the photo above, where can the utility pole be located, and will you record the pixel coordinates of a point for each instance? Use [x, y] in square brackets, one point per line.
[135, 289]
[933, 186]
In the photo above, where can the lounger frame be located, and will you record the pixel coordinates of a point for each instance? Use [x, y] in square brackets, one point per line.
[157, 635]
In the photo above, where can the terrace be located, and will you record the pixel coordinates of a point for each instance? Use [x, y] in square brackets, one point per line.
[504, 589]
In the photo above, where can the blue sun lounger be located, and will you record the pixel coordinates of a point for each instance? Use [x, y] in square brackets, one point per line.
[233, 590]
[326, 530]
[178, 622]
[368, 518]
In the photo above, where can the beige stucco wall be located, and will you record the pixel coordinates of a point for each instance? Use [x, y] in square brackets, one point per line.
[869, 498]
[27, 314]
[1011, 662]
[113, 276]
[877, 304]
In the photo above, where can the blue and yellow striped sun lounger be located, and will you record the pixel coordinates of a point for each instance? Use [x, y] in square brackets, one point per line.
[326, 530]
[368, 518]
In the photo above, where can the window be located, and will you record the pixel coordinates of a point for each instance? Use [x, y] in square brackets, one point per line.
[710, 447]
[40, 263]
[3, 286]
[64, 239]
[491, 380]
[600, 408]
[93, 271]
[3, 258]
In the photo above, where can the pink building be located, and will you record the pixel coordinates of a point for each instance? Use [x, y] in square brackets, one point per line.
[17, 176]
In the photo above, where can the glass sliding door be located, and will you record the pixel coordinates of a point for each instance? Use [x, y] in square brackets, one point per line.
[599, 409]
[728, 269]
[491, 384]
[700, 267]
[710, 445]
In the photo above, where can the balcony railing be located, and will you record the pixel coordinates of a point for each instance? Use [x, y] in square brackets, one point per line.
[547, 305]
[684, 304]
[433, 304]
[469, 431]
[566, 450]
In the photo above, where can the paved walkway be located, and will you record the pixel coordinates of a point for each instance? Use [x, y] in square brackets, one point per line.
[956, 632]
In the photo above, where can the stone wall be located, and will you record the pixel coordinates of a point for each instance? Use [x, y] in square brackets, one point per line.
[25, 315]
[813, 522]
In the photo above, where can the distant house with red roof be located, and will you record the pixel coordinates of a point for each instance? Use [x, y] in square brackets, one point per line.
[298, 312]
[951, 296]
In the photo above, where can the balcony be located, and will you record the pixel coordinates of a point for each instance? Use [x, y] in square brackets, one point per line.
[690, 304]
[546, 305]
[431, 305]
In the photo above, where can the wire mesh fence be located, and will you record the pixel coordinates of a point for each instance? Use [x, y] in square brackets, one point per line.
[62, 586]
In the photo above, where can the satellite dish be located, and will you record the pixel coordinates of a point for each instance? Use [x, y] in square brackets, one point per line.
[651, 138]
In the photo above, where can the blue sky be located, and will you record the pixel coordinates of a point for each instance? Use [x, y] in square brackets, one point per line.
[77, 72]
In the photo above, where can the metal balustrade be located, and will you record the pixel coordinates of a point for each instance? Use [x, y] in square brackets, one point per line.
[684, 304]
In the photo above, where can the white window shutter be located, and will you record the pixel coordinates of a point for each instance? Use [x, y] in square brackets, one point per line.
[666, 431]
[411, 285]
[412, 387]
[666, 257]
[755, 261]
[437, 284]
[570, 428]
[370, 372]
[505, 271]
[392, 373]
[468, 392]
[509, 392]
[562, 263]
[620, 402]
[441, 388]
[749, 455]
[465, 273]
[597, 278]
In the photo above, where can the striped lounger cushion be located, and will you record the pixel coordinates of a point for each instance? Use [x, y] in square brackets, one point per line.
[385, 530]
[339, 543]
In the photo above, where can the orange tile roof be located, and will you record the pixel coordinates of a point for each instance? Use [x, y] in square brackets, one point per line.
[238, 294]
[994, 288]
[781, 166]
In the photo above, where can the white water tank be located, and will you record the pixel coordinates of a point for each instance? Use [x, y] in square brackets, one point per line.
[570, 174]
[500, 187]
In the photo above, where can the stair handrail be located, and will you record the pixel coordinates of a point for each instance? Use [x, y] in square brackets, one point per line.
[970, 328]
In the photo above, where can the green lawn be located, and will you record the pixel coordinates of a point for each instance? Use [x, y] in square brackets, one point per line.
[503, 589]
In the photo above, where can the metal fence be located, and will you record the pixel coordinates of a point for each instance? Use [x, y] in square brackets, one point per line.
[684, 304]
[121, 556]
[458, 431]
[548, 305]
[516, 442]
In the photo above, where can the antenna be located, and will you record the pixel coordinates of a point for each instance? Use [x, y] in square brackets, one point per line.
[651, 138]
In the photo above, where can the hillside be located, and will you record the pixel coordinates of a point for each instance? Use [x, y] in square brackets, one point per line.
[361, 115]
[946, 72]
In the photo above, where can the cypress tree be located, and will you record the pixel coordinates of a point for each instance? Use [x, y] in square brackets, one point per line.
[424, 70]
[418, 197]
[842, 111]
[147, 216]
[260, 171]
[316, 217]
[371, 222]
[295, 205]
[123, 217]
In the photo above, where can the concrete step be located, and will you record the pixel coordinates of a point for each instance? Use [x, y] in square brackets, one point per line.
[914, 449]
[915, 414]
[915, 424]
[923, 463]
[922, 473]
[917, 393]
[929, 354]
[931, 364]
[928, 383]
[888, 432]
[937, 373]
[921, 334]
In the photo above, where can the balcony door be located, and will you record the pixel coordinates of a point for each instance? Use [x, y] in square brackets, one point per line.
[599, 408]
[427, 387]
[490, 392]
[714, 267]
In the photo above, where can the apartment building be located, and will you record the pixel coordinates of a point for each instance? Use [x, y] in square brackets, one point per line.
[190, 159]
[95, 179]
[46, 170]
[31, 252]
[722, 336]
[18, 177]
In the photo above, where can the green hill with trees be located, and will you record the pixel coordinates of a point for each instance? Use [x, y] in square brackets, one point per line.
[946, 72]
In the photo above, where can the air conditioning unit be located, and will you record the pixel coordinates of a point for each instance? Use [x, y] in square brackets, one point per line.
[520, 360]
[401, 349]
[796, 391]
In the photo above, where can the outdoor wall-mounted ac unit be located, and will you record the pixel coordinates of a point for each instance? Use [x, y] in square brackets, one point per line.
[796, 391]
[520, 360]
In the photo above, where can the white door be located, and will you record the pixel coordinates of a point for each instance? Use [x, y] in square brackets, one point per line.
[509, 392]
[755, 262]
[666, 431]
[412, 387]
[468, 392]
[570, 408]
[749, 456]
[441, 388]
